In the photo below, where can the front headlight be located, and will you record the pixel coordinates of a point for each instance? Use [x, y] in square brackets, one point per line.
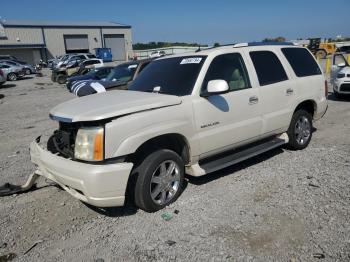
[89, 144]
[340, 75]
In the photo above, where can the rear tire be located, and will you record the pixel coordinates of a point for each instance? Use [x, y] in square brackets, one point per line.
[159, 180]
[300, 130]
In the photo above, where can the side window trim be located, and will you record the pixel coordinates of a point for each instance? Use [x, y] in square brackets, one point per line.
[242, 64]
[280, 62]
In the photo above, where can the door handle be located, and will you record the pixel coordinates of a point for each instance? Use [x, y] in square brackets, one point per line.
[289, 91]
[253, 100]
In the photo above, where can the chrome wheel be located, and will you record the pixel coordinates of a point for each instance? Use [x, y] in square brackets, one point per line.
[165, 182]
[302, 130]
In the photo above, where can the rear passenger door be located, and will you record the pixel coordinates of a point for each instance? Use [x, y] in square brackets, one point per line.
[276, 92]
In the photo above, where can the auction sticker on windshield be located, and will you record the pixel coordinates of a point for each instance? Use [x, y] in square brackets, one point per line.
[191, 60]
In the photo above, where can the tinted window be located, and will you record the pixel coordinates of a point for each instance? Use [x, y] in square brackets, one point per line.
[91, 56]
[268, 67]
[228, 67]
[173, 76]
[301, 61]
[102, 73]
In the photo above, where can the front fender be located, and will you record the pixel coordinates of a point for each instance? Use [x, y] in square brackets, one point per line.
[133, 142]
[123, 136]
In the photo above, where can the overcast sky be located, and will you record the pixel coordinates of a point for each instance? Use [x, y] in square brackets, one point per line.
[203, 21]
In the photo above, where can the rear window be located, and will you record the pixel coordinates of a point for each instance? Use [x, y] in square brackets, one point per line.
[268, 67]
[301, 61]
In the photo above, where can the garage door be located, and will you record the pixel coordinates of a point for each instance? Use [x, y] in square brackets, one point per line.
[76, 43]
[117, 44]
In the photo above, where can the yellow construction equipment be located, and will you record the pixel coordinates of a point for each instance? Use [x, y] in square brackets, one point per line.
[321, 49]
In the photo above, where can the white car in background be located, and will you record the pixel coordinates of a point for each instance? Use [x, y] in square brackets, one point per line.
[340, 75]
[157, 54]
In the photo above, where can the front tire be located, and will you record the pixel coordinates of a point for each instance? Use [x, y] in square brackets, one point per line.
[61, 79]
[160, 179]
[336, 94]
[300, 130]
[27, 71]
[12, 77]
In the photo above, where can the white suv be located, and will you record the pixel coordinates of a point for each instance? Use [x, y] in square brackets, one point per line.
[340, 75]
[193, 113]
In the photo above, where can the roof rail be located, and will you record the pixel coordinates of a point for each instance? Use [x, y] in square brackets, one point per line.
[269, 43]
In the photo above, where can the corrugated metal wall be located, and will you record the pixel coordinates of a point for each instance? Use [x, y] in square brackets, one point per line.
[54, 38]
[22, 36]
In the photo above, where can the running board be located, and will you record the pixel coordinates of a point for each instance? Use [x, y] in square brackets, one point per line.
[225, 160]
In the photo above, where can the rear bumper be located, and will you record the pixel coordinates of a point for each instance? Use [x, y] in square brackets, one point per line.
[98, 185]
[322, 107]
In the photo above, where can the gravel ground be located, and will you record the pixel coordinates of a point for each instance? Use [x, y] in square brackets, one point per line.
[281, 206]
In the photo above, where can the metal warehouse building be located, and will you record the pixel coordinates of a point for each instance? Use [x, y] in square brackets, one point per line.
[34, 40]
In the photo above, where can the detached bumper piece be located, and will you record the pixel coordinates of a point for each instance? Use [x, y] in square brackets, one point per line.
[101, 185]
[9, 189]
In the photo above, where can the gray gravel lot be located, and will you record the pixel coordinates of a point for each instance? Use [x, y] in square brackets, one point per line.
[281, 206]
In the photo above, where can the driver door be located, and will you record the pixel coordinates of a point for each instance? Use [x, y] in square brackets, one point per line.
[231, 119]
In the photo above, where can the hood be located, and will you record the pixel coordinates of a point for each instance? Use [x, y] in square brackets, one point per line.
[110, 104]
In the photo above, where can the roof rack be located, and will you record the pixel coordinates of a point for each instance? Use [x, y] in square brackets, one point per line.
[249, 44]
[269, 43]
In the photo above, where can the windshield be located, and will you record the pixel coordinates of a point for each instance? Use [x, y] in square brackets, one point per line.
[172, 76]
[123, 73]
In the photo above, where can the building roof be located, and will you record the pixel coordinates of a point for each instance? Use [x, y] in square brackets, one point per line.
[47, 23]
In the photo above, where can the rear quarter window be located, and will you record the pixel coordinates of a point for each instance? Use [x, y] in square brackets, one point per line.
[268, 67]
[301, 61]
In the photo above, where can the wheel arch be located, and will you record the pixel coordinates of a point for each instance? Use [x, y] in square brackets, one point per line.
[308, 105]
[172, 141]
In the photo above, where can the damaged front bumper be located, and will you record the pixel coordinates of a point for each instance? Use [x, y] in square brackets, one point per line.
[101, 185]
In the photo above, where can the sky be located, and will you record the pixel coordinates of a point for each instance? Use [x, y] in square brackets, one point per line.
[204, 22]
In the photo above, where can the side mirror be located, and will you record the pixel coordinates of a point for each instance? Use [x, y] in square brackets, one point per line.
[341, 65]
[216, 87]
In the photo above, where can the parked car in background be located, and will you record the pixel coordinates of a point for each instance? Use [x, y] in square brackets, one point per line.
[340, 75]
[2, 77]
[157, 54]
[12, 72]
[119, 78]
[73, 57]
[94, 74]
[28, 69]
[73, 68]
[8, 57]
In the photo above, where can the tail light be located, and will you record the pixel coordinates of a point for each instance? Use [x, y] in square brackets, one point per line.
[326, 89]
